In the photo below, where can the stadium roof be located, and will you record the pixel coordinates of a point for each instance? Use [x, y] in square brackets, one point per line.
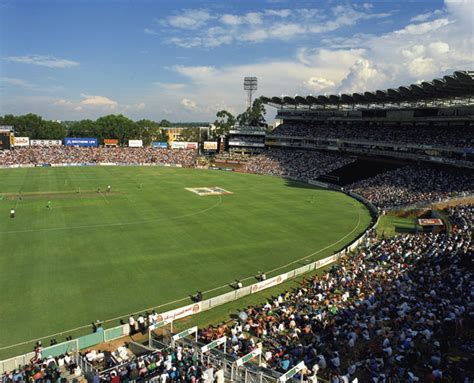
[459, 84]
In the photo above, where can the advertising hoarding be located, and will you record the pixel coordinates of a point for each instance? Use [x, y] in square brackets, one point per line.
[135, 143]
[72, 141]
[191, 145]
[46, 142]
[110, 142]
[178, 145]
[22, 141]
[210, 145]
[159, 144]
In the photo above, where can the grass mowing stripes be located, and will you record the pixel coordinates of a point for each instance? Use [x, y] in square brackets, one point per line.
[99, 256]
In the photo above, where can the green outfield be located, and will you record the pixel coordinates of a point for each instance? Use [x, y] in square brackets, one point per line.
[149, 241]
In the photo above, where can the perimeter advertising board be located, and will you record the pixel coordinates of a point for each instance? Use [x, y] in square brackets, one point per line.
[72, 141]
[46, 142]
[180, 313]
[184, 145]
[22, 141]
[159, 144]
[135, 143]
[210, 145]
[110, 142]
[191, 145]
[256, 287]
[178, 145]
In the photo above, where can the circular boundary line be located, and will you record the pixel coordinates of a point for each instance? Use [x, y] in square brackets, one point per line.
[204, 292]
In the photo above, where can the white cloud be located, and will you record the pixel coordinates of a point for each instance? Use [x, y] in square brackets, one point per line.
[318, 84]
[231, 19]
[426, 16]
[150, 31]
[278, 12]
[171, 86]
[422, 28]
[88, 101]
[255, 36]
[46, 61]
[253, 18]
[189, 104]
[287, 30]
[186, 42]
[16, 82]
[98, 101]
[190, 19]
[196, 73]
[362, 76]
[258, 27]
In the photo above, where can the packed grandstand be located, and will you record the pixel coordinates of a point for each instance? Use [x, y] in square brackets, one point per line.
[395, 309]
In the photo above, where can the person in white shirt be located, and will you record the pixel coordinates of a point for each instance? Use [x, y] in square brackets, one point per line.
[131, 322]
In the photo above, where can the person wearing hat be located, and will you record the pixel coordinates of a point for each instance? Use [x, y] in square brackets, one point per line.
[12, 213]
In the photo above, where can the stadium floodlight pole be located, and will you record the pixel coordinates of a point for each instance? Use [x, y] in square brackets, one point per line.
[250, 85]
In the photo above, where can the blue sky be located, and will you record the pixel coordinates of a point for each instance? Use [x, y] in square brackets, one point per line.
[185, 60]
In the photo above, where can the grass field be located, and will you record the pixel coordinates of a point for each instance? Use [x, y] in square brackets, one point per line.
[149, 241]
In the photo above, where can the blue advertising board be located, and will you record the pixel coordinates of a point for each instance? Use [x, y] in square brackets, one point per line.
[159, 144]
[72, 141]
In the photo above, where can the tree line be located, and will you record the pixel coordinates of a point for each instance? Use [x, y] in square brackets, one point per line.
[123, 129]
[112, 126]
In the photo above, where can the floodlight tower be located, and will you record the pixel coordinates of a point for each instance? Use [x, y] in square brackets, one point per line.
[250, 85]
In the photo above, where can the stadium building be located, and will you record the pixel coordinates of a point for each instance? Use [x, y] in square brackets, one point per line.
[431, 121]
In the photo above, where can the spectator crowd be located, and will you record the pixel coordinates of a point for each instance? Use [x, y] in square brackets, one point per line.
[459, 136]
[413, 185]
[38, 155]
[178, 364]
[47, 369]
[398, 310]
[299, 164]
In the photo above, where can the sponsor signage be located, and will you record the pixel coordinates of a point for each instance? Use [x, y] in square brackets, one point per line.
[191, 145]
[22, 141]
[214, 344]
[292, 372]
[249, 356]
[430, 222]
[159, 144]
[180, 313]
[178, 145]
[184, 145]
[46, 142]
[210, 145]
[185, 333]
[110, 142]
[72, 141]
[256, 287]
[135, 143]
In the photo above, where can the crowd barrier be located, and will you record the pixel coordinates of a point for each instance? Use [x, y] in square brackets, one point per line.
[119, 331]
